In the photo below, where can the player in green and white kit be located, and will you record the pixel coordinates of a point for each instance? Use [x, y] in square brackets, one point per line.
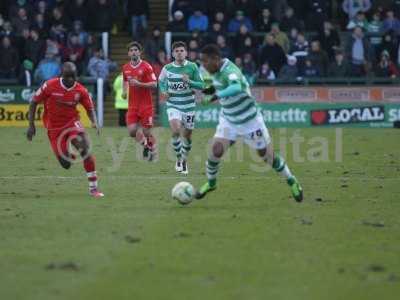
[177, 81]
[239, 117]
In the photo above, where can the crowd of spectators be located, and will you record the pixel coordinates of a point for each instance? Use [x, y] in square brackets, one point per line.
[288, 40]
[37, 36]
[268, 39]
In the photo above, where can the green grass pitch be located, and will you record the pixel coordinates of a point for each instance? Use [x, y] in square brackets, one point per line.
[247, 240]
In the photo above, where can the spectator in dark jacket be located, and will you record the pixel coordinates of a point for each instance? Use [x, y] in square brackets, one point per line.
[20, 22]
[248, 7]
[319, 58]
[290, 21]
[59, 19]
[265, 21]
[41, 25]
[14, 8]
[238, 41]
[358, 53]
[276, 7]
[215, 30]
[329, 39]
[9, 60]
[317, 14]
[78, 10]
[154, 44]
[103, 19]
[272, 53]
[35, 47]
[300, 50]
[138, 12]
[178, 24]
[214, 6]
[389, 44]
[74, 52]
[339, 68]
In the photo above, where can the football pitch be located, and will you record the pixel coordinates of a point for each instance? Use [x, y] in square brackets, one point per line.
[247, 240]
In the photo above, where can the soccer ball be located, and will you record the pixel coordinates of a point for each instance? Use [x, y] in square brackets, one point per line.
[183, 192]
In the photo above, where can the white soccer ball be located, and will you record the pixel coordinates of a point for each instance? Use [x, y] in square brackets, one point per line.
[183, 192]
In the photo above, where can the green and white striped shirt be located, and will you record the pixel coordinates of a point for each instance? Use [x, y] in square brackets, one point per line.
[241, 107]
[181, 94]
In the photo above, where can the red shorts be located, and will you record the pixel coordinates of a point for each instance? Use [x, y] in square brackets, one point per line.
[142, 115]
[60, 138]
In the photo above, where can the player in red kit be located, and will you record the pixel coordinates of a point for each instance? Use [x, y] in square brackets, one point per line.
[138, 81]
[60, 96]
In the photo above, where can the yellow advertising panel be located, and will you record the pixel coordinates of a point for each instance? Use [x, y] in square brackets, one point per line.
[16, 115]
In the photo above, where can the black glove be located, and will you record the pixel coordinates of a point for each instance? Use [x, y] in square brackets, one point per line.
[209, 90]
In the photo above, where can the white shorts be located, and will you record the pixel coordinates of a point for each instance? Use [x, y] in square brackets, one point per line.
[254, 132]
[186, 119]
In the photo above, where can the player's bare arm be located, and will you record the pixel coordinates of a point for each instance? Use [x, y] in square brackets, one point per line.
[31, 116]
[93, 119]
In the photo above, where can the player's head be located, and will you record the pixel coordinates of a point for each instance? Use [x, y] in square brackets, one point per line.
[135, 50]
[68, 74]
[210, 57]
[179, 51]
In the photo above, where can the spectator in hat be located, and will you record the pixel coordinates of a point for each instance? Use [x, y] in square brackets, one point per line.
[238, 20]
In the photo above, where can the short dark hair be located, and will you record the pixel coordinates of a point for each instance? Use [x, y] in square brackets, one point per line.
[178, 44]
[211, 50]
[135, 44]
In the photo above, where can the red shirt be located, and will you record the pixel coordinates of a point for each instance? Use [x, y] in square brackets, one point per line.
[143, 72]
[60, 102]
